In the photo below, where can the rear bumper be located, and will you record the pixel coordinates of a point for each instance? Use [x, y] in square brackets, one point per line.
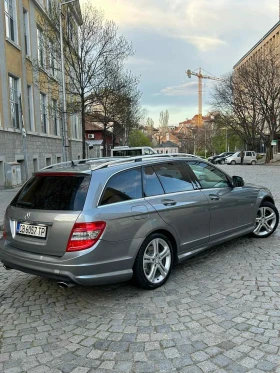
[73, 270]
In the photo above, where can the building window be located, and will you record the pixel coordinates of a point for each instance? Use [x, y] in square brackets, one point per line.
[43, 107]
[55, 117]
[26, 32]
[14, 100]
[52, 59]
[41, 49]
[30, 108]
[10, 19]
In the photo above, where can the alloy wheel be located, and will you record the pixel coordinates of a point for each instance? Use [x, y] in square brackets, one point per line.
[157, 260]
[266, 221]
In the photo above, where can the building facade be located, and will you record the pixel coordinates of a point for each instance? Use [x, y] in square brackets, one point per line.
[269, 42]
[30, 114]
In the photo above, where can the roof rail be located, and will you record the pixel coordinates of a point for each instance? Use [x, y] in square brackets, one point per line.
[139, 158]
[74, 162]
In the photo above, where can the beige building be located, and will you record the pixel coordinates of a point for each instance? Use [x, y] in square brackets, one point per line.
[25, 102]
[269, 42]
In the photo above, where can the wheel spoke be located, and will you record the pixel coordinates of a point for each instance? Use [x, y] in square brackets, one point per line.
[269, 217]
[267, 226]
[259, 226]
[155, 246]
[262, 211]
[148, 259]
[152, 273]
[164, 253]
[162, 269]
[258, 219]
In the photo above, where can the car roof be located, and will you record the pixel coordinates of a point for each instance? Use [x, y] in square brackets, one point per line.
[117, 163]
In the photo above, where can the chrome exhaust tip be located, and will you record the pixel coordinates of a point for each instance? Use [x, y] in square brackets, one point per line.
[65, 285]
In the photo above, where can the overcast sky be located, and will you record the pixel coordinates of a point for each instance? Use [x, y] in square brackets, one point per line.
[171, 36]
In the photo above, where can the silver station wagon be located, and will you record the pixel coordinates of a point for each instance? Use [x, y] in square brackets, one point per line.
[110, 221]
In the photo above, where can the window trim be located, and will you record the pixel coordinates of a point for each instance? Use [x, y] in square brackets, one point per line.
[41, 52]
[30, 107]
[26, 33]
[18, 91]
[12, 17]
[42, 94]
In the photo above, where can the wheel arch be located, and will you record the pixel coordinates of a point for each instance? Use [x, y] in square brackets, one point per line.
[171, 238]
[267, 199]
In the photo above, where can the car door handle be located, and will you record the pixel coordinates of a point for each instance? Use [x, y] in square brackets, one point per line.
[214, 197]
[169, 202]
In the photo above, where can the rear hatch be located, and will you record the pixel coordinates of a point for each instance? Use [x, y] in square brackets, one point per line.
[41, 216]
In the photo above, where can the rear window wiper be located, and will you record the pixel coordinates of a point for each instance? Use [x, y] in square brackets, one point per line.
[25, 204]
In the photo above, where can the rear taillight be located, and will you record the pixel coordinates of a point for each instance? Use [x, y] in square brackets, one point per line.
[85, 235]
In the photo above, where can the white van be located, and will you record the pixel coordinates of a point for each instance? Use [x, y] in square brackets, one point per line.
[126, 151]
[249, 158]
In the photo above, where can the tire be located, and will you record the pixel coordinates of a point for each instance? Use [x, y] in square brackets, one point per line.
[153, 266]
[232, 162]
[222, 162]
[267, 220]
[253, 163]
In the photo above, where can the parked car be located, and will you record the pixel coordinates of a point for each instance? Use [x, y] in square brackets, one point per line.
[222, 159]
[214, 157]
[99, 223]
[126, 151]
[249, 158]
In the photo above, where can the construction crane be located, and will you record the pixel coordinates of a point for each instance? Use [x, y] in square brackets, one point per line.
[200, 77]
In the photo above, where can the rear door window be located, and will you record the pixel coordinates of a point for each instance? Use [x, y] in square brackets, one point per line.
[123, 186]
[151, 183]
[173, 177]
[54, 192]
[249, 154]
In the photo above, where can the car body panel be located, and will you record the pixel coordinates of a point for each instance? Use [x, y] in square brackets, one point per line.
[232, 211]
[189, 216]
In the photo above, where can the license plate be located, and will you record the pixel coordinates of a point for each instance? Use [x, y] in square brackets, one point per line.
[32, 230]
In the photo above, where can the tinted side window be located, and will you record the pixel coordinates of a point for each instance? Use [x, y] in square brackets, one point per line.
[173, 177]
[54, 193]
[249, 154]
[208, 176]
[152, 185]
[123, 187]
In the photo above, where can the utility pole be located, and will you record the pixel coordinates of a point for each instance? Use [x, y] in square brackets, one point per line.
[65, 142]
[23, 132]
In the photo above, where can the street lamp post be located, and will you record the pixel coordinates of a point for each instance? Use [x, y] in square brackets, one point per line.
[64, 104]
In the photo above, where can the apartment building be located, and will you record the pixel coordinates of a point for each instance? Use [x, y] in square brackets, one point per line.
[270, 42]
[30, 113]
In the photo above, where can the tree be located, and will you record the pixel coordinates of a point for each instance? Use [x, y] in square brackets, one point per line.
[248, 100]
[163, 120]
[88, 50]
[137, 138]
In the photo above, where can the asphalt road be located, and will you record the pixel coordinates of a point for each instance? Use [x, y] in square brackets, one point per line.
[219, 312]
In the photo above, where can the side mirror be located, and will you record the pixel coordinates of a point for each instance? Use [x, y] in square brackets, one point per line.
[237, 181]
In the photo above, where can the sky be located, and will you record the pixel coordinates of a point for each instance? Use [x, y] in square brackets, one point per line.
[171, 36]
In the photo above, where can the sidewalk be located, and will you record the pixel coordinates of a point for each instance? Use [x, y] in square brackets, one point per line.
[6, 195]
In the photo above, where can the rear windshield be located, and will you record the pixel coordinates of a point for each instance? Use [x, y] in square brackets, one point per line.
[54, 193]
